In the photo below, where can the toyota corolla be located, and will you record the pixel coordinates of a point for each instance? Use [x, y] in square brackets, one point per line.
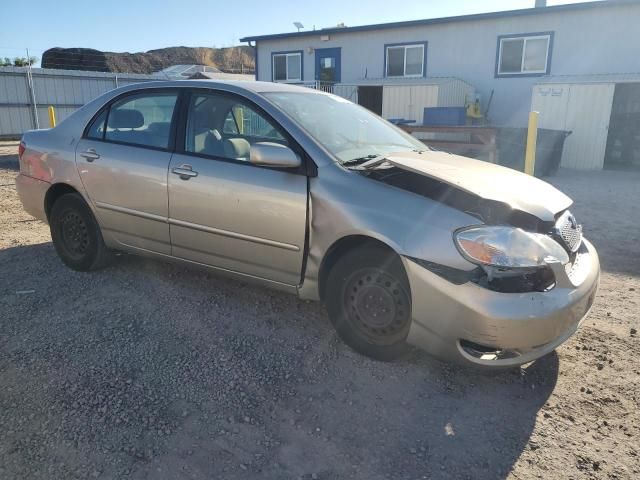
[306, 192]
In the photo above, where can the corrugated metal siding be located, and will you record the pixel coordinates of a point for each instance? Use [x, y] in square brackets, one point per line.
[588, 114]
[451, 92]
[65, 90]
[551, 102]
[15, 120]
[583, 109]
[407, 81]
[408, 101]
[350, 92]
[13, 89]
[598, 78]
[69, 90]
[455, 93]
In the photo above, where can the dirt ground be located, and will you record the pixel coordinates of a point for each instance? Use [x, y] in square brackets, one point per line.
[153, 371]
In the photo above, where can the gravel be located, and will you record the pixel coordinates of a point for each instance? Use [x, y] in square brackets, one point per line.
[151, 370]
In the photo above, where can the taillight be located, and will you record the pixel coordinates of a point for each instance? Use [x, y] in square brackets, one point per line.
[21, 148]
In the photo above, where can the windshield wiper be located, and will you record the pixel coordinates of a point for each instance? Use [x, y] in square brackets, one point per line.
[363, 163]
[360, 160]
[373, 159]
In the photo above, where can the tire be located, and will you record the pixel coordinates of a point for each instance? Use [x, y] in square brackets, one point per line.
[369, 302]
[76, 235]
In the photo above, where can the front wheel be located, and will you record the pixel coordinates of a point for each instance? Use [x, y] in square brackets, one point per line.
[369, 302]
[76, 235]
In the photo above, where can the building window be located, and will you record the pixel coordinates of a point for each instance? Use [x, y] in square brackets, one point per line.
[524, 54]
[287, 67]
[405, 60]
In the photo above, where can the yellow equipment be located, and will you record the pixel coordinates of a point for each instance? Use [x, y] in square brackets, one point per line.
[473, 109]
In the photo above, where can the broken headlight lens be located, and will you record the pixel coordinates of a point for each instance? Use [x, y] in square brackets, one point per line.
[508, 247]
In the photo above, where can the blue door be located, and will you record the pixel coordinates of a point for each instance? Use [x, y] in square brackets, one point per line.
[328, 65]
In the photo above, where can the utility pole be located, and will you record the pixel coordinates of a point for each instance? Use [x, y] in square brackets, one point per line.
[32, 92]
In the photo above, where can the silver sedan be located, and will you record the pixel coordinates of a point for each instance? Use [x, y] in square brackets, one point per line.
[306, 192]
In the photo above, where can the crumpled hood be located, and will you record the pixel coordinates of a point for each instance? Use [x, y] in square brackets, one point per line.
[486, 180]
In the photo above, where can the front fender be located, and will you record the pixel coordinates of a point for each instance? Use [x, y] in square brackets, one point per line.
[345, 203]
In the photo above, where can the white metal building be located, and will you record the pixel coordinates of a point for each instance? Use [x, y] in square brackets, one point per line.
[503, 55]
[601, 111]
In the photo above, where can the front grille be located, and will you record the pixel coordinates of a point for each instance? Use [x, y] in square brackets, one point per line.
[568, 231]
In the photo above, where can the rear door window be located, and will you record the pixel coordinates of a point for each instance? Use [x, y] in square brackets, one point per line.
[142, 119]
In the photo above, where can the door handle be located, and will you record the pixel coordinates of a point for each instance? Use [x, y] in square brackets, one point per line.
[90, 155]
[185, 172]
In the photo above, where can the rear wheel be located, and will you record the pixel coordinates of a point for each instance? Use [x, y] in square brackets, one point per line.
[369, 302]
[76, 234]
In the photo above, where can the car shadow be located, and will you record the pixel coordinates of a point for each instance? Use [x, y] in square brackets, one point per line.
[325, 409]
[480, 422]
[9, 161]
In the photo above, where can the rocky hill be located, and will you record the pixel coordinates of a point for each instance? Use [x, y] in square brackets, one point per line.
[229, 59]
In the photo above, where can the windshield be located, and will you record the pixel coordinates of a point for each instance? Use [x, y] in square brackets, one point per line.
[347, 130]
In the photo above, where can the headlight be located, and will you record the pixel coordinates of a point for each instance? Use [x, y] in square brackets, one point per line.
[508, 247]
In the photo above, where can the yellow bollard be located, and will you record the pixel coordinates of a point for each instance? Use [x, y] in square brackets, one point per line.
[532, 137]
[52, 116]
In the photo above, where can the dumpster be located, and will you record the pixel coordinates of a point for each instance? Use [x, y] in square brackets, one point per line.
[511, 144]
[434, 116]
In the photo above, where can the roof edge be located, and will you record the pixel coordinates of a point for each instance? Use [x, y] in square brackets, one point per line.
[452, 19]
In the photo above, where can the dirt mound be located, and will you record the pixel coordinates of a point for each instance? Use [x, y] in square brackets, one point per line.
[230, 59]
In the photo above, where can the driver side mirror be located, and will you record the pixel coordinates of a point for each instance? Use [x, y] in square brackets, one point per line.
[270, 154]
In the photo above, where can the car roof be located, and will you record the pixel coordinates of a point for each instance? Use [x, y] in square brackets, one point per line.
[253, 86]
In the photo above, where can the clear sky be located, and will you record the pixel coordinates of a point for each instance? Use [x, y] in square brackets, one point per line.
[140, 25]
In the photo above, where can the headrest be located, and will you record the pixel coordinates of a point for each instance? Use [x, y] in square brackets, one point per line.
[237, 148]
[125, 118]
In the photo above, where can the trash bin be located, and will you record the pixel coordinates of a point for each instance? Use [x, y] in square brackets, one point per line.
[511, 145]
[549, 147]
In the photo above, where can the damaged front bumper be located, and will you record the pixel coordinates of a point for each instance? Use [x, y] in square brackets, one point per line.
[474, 325]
